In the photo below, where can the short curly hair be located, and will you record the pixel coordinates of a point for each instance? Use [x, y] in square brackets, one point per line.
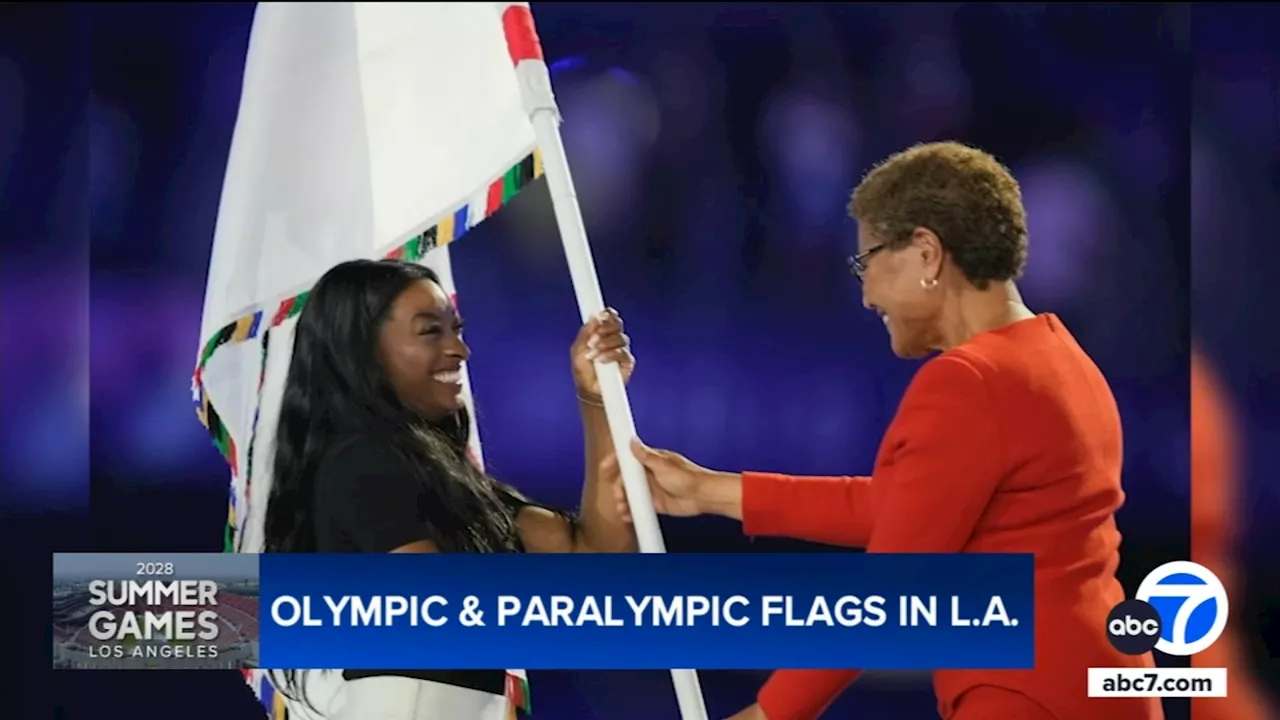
[964, 195]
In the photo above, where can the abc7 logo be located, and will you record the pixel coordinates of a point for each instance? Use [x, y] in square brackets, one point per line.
[1180, 609]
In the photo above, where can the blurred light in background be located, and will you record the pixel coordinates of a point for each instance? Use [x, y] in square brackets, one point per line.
[679, 77]
[139, 367]
[1215, 200]
[935, 95]
[1148, 150]
[611, 121]
[812, 145]
[44, 449]
[113, 160]
[1067, 214]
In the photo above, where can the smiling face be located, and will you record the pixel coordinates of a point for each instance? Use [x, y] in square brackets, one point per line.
[420, 346]
[899, 284]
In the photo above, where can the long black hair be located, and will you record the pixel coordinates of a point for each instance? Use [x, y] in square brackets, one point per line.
[337, 386]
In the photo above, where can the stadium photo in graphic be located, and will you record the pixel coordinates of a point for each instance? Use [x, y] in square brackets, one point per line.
[176, 612]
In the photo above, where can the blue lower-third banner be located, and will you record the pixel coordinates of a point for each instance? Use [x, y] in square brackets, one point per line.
[746, 611]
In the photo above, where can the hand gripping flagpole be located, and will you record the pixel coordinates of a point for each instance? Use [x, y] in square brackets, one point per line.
[535, 89]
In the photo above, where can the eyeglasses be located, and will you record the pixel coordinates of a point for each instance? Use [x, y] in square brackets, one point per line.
[858, 263]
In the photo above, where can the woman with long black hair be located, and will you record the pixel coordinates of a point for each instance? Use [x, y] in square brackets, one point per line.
[371, 456]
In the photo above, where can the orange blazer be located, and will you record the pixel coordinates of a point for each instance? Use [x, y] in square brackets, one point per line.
[1008, 443]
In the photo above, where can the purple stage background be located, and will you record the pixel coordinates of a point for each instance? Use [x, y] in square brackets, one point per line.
[714, 145]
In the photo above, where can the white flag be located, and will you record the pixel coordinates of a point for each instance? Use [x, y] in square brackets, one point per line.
[365, 130]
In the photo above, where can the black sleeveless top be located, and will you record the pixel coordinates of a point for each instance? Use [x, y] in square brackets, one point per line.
[368, 499]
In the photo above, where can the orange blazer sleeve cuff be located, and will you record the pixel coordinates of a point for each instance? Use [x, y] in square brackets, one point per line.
[831, 510]
[802, 694]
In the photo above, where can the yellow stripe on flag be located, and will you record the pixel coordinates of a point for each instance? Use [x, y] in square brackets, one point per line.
[243, 326]
[444, 231]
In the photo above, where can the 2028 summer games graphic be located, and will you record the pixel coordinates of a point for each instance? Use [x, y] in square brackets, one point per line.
[155, 611]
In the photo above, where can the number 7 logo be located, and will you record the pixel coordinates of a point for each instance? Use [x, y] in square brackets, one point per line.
[1192, 604]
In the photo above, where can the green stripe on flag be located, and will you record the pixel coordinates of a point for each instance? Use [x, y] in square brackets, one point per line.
[299, 302]
[413, 249]
[510, 184]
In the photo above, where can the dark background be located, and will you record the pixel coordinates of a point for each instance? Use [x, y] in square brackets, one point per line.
[714, 146]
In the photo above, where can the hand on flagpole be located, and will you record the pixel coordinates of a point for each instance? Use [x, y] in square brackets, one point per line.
[674, 482]
[755, 712]
[600, 340]
[610, 475]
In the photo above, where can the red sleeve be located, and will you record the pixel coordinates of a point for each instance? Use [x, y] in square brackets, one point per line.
[802, 694]
[832, 510]
[946, 462]
[945, 466]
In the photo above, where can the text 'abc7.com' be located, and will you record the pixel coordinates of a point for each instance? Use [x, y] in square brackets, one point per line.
[1180, 609]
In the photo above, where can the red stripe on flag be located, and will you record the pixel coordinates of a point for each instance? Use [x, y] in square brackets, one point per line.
[494, 202]
[522, 36]
[515, 693]
[282, 312]
[232, 461]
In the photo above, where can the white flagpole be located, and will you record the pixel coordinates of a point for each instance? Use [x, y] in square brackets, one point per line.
[539, 101]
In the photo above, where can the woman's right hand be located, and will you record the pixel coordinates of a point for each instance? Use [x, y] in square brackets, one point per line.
[673, 481]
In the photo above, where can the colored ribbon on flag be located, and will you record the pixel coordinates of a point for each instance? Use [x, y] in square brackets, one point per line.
[451, 226]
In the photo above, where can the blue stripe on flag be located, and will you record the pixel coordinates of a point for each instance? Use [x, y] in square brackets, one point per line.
[267, 696]
[460, 224]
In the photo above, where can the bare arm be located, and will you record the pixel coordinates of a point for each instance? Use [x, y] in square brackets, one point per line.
[602, 525]
[833, 510]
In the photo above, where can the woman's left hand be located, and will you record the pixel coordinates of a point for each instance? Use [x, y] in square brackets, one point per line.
[600, 339]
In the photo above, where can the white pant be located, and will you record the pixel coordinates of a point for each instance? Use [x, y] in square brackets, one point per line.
[401, 698]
